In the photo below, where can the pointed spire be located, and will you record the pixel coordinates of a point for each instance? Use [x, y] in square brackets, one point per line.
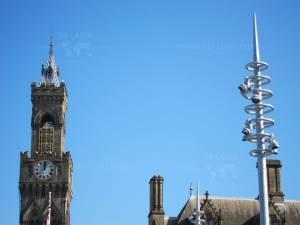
[51, 44]
[256, 65]
[50, 60]
[50, 72]
[256, 55]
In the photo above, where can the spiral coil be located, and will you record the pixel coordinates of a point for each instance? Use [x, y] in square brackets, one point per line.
[252, 90]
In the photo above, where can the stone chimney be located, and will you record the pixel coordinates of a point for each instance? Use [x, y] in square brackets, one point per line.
[156, 213]
[274, 180]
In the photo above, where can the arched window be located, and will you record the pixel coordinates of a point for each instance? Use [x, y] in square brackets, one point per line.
[47, 121]
[46, 135]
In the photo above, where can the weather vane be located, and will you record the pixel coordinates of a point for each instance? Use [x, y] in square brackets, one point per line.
[254, 130]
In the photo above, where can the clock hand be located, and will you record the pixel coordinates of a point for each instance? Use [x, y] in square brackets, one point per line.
[45, 165]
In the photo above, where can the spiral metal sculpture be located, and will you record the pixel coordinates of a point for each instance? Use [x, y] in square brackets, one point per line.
[254, 130]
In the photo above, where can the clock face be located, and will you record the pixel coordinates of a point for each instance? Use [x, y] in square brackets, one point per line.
[43, 170]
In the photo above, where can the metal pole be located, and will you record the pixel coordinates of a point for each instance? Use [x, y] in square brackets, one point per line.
[198, 212]
[261, 159]
[195, 217]
[254, 131]
[261, 163]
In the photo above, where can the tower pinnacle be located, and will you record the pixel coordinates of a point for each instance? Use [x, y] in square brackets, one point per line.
[50, 72]
[51, 44]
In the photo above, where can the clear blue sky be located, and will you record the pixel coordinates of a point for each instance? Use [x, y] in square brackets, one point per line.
[152, 90]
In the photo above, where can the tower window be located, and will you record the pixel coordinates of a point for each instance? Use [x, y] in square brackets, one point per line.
[46, 135]
[46, 140]
[47, 119]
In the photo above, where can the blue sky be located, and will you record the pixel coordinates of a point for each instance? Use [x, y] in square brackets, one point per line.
[152, 90]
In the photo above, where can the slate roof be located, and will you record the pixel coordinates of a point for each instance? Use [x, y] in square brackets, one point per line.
[237, 211]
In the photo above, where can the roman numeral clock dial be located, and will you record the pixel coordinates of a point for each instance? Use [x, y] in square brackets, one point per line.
[43, 169]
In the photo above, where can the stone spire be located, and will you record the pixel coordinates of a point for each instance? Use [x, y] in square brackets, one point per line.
[50, 72]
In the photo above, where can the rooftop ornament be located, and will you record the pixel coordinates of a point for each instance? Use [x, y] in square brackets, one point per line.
[50, 72]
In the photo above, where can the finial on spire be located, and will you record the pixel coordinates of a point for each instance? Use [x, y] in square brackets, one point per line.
[51, 44]
[256, 55]
[191, 189]
[206, 194]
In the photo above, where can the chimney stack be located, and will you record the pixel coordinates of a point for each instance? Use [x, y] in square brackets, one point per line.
[274, 180]
[156, 213]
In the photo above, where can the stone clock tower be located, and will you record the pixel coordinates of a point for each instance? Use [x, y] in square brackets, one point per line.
[47, 168]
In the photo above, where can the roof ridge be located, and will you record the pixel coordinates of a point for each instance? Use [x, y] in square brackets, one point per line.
[229, 198]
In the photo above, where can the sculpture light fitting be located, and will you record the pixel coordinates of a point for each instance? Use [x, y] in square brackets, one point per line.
[254, 130]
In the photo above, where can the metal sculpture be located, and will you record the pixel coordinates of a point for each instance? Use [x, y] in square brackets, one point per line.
[254, 130]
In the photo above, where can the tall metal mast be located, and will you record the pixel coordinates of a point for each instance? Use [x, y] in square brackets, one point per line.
[254, 131]
[198, 220]
[195, 217]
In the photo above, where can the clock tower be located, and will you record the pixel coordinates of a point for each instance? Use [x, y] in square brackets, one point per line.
[47, 167]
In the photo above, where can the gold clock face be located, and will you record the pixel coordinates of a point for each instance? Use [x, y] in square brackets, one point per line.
[43, 169]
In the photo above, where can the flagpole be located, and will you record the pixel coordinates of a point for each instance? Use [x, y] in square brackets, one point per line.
[48, 222]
